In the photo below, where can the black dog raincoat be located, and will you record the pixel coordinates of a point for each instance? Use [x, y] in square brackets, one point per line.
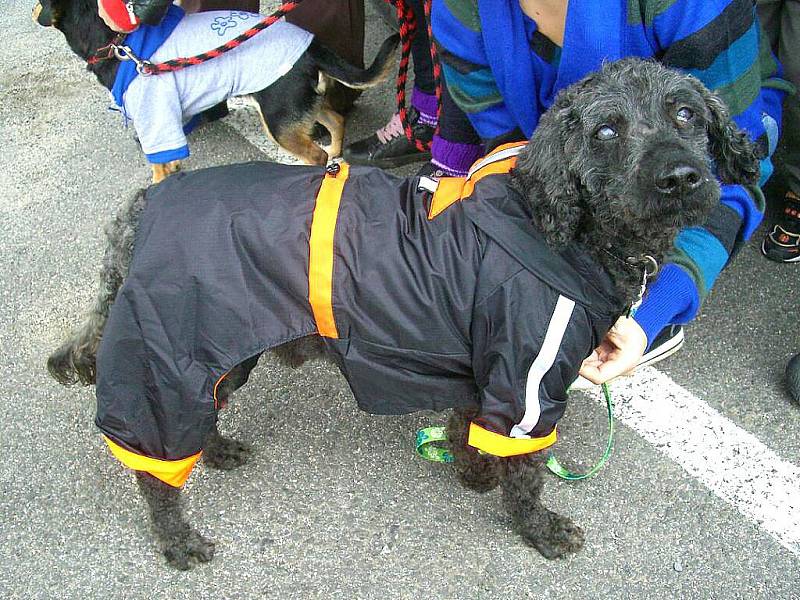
[429, 295]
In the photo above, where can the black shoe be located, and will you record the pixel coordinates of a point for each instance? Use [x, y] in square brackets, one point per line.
[668, 341]
[388, 147]
[793, 377]
[782, 244]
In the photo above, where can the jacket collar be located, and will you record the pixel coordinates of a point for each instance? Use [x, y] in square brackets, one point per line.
[500, 212]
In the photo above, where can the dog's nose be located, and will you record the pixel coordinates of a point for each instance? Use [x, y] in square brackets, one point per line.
[678, 180]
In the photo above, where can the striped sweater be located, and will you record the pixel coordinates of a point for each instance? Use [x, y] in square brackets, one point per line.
[504, 75]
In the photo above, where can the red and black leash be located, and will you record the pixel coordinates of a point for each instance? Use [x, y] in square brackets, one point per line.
[407, 25]
[117, 49]
[408, 29]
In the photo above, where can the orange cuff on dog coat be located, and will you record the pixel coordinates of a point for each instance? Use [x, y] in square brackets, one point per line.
[501, 445]
[452, 189]
[171, 472]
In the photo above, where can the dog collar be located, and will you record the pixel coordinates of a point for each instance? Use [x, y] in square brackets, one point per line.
[648, 266]
[118, 15]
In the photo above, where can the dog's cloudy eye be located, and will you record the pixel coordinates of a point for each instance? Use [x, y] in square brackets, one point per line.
[684, 114]
[604, 132]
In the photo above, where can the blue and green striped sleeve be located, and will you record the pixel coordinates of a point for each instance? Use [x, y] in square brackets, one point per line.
[721, 44]
[470, 81]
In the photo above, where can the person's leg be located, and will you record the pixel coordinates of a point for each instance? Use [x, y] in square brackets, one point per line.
[781, 20]
[456, 146]
[789, 55]
[388, 147]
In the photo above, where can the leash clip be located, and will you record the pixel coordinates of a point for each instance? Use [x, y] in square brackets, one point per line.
[648, 261]
[125, 53]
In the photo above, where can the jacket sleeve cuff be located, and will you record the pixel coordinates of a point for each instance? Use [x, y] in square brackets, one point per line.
[671, 298]
[498, 444]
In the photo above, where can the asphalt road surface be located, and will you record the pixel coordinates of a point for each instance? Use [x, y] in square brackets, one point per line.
[701, 498]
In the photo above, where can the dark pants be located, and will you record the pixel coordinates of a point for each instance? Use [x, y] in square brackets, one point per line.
[781, 22]
[454, 126]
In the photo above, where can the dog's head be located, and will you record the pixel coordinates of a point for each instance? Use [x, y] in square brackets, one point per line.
[633, 150]
[128, 14]
[46, 13]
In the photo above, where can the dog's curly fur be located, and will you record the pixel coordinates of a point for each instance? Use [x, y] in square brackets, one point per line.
[617, 196]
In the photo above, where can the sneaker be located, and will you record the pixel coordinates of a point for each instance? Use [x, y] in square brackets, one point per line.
[389, 147]
[782, 244]
[666, 343]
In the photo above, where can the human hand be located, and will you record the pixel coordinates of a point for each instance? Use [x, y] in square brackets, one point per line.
[618, 353]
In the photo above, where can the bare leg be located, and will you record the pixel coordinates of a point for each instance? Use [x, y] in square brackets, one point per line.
[182, 546]
[551, 534]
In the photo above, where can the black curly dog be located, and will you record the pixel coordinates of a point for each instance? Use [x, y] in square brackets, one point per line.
[622, 161]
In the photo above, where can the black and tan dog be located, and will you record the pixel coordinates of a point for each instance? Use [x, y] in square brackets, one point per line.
[481, 294]
[290, 103]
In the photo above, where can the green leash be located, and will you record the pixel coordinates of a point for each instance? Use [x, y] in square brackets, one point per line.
[553, 464]
[429, 440]
[428, 445]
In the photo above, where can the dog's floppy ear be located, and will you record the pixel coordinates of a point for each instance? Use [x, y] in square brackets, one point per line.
[730, 147]
[543, 172]
[44, 13]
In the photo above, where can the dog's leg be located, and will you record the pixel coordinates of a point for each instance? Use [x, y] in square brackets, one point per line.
[334, 123]
[297, 140]
[180, 544]
[551, 534]
[224, 453]
[479, 472]
[293, 132]
[161, 172]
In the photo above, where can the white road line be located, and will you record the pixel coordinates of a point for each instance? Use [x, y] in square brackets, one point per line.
[728, 460]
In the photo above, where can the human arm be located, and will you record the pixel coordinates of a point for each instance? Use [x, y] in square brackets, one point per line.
[720, 43]
[456, 30]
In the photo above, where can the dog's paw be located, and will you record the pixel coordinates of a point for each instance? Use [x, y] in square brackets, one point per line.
[226, 454]
[190, 549]
[557, 539]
